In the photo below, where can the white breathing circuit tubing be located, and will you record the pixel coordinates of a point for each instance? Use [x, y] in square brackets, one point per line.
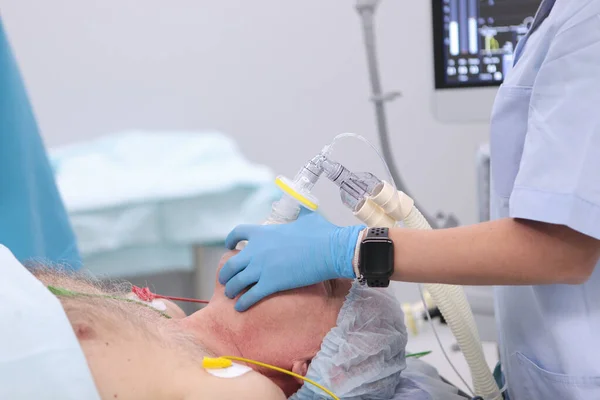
[328, 149]
[437, 337]
[484, 381]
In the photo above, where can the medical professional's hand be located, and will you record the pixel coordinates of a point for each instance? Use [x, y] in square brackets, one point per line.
[288, 256]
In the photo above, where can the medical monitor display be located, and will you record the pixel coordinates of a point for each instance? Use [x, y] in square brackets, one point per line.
[474, 40]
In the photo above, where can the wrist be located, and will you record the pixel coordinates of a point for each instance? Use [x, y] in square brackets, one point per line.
[356, 259]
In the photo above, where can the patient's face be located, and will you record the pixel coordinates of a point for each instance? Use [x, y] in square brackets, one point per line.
[285, 329]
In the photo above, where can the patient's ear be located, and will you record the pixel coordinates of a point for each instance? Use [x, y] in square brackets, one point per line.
[300, 367]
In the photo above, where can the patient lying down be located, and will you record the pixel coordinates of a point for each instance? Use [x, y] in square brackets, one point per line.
[134, 352]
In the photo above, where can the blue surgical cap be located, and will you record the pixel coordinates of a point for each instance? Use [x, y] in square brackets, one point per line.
[364, 357]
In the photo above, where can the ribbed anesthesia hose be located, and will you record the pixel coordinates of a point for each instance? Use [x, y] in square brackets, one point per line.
[450, 299]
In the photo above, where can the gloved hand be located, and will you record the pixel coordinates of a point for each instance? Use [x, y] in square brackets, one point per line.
[288, 256]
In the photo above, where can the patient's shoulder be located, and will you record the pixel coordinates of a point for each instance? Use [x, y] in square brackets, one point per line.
[250, 386]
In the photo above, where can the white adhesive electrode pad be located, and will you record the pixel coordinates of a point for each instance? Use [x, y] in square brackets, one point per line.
[230, 372]
[157, 304]
[40, 356]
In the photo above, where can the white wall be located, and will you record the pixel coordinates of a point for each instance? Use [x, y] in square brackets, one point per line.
[282, 77]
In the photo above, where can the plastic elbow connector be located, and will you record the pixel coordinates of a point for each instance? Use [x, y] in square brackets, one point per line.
[395, 204]
[372, 215]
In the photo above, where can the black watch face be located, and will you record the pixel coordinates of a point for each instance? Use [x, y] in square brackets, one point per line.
[377, 259]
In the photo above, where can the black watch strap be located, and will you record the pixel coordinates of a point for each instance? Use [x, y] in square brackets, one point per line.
[373, 233]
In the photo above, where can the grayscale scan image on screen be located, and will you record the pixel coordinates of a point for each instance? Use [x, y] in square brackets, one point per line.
[474, 40]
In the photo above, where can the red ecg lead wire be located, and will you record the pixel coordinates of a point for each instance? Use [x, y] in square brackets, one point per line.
[145, 294]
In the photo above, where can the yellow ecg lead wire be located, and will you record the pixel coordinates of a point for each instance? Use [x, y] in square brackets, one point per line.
[216, 363]
[225, 362]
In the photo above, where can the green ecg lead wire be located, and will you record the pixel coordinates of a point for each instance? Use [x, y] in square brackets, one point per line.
[58, 291]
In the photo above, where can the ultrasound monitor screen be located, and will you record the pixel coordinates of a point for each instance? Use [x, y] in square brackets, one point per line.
[474, 40]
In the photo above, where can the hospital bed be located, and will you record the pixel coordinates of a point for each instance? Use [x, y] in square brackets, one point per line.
[155, 208]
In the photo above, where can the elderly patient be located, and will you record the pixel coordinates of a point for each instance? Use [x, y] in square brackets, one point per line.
[350, 339]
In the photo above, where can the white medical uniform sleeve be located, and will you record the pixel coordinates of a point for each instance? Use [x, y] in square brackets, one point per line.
[559, 176]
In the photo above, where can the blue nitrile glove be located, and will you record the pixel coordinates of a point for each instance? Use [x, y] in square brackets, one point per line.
[287, 256]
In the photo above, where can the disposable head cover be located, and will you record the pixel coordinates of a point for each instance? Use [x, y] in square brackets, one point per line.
[363, 357]
[40, 357]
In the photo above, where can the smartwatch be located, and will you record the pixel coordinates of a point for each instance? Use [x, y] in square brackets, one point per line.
[376, 258]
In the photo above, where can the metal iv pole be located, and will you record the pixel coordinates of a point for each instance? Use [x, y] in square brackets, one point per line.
[366, 10]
